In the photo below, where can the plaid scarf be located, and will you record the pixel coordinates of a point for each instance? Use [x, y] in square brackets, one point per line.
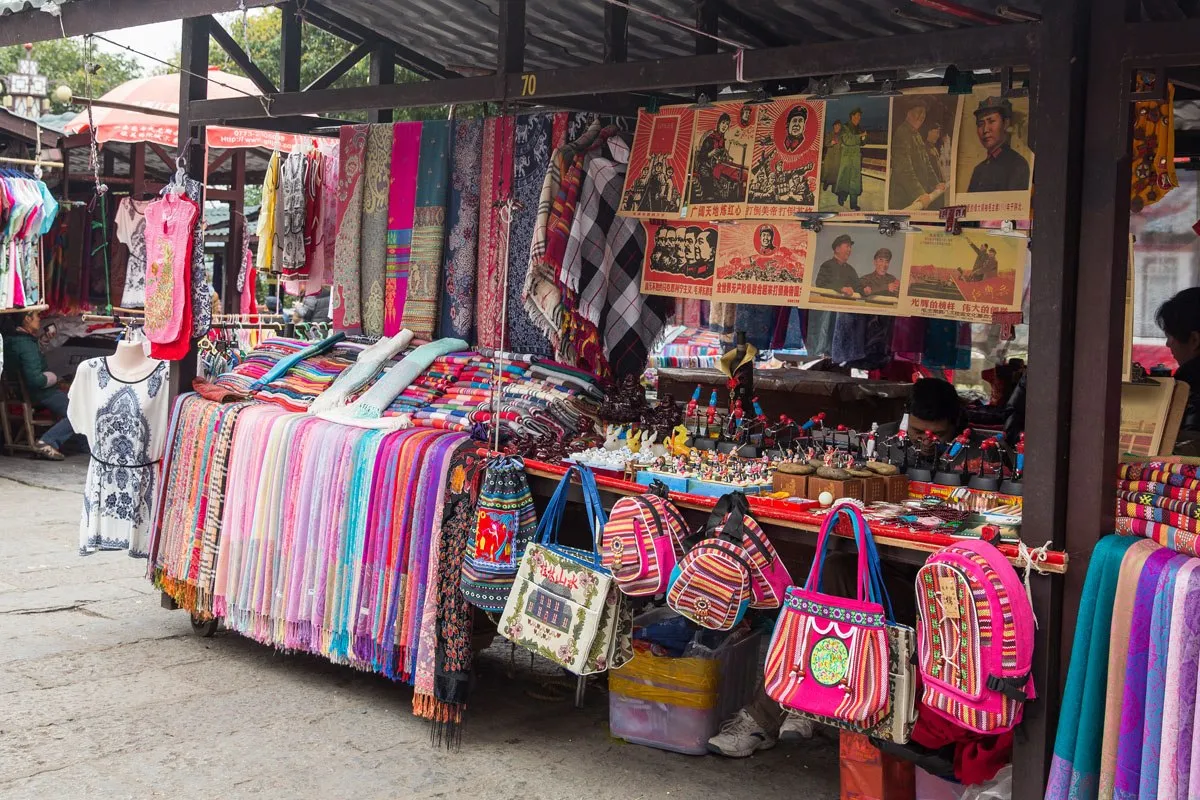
[602, 268]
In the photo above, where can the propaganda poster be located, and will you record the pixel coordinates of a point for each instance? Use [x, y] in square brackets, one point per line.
[968, 277]
[787, 159]
[994, 166]
[762, 262]
[722, 145]
[658, 164]
[680, 258]
[855, 269]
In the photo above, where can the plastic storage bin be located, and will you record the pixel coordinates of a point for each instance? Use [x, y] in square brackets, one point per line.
[678, 704]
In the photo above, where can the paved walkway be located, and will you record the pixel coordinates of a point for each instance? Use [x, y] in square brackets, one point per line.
[103, 694]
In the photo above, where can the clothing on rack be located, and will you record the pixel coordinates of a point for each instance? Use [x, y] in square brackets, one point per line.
[170, 237]
[125, 423]
[346, 300]
[130, 229]
[457, 317]
[27, 210]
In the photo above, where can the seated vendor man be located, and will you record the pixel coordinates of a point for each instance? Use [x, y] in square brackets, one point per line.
[935, 407]
[1179, 319]
[23, 357]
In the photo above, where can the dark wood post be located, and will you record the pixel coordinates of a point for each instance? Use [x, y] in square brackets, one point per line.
[383, 73]
[290, 49]
[193, 58]
[616, 33]
[231, 297]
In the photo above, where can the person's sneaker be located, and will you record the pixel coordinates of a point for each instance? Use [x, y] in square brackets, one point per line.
[795, 728]
[740, 737]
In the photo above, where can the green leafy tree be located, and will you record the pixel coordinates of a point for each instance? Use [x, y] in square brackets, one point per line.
[61, 61]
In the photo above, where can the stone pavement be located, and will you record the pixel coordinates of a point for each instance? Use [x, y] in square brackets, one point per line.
[103, 694]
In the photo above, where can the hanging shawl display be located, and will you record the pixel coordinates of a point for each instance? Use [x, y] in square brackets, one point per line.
[27, 211]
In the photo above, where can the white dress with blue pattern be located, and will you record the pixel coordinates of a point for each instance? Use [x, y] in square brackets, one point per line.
[126, 427]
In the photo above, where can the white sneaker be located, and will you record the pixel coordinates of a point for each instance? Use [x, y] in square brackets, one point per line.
[740, 737]
[795, 728]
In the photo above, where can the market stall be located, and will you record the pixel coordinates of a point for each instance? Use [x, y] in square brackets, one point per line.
[766, 215]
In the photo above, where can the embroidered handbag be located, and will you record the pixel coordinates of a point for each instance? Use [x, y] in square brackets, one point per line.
[975, 634]
[830, 656]
[769, 579]
[641, 539]
[505, 524]
[564, 605]
[712, 585]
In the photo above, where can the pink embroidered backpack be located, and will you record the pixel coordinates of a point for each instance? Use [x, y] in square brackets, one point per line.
[641, 543]
[974, 637]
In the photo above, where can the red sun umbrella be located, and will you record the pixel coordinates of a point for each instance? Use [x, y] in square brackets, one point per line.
[161, 93]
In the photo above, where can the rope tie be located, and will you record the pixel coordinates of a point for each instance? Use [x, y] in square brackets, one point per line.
[1030, 559]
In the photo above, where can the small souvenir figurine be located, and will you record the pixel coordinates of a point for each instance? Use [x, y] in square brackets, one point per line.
[711, 416]
[869, 444]
[759, 416]
[1020, 471]
[736, 417]
[813, 421]
[692, 415]
[677, 444]
[961, 441]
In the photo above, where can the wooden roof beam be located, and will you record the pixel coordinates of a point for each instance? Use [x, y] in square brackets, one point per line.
[97, 16]
[242, 59]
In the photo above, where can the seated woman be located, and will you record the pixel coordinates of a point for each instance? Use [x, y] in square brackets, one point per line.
[1179, 319]
[23, 357]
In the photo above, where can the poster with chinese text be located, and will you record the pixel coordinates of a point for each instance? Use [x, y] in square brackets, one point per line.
[680, 258]
[722, 145]
[993, 174]
[787, 159]
[762, 262]
[968, 277]
[658, 164]
[921, 153]
[855, 269]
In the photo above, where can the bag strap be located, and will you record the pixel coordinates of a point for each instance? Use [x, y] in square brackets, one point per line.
[749, 567]
[725, 506]
[597, 517]
[547, 529]
[813, 582]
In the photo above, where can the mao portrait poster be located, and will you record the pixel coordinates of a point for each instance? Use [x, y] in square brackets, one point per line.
[856, 269]
[658, 164]
[993, 170]
[968, 277]
[921, 153]
[787, 159]
[722, 144]
[854, 158]
[680, 259]
[762, 262]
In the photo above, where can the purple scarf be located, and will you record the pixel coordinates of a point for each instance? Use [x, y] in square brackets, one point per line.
[1133, 704]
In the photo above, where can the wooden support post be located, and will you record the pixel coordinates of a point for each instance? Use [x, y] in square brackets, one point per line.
[230, 297]
[383, 73]
[616, 33]
[290, 49]
[708, 19]
[137, 168]
[193, 58]
[510, 47]
[1057, 116]
[1100, 295]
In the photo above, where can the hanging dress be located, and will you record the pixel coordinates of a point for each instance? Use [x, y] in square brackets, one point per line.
[131, 231]
[125, 424]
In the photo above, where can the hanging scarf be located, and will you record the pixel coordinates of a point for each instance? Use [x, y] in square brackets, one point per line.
[1127, 605]
[345, 301]
[1173, 761]
[1075, 770]
[373, 237]
[495, 185]
[446, 706]
[406, 147]
[457, 319]
[429, 231]
[533, 146]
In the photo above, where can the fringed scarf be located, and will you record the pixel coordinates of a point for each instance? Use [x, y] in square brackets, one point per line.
[1179, 709]
[446, 704]
[495, 185]
[373, 238]
[406, 148]
[345, 299]
[457, 319]
[429, 230]
[1161, 684]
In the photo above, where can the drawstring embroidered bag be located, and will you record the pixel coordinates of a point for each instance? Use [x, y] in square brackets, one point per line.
[505, 523]
[565, 606]
[975, 636]
[830, 656]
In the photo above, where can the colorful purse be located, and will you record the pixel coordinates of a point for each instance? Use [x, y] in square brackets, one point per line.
[830, 657]
[641, 542]
[564, 605]
[505, 524]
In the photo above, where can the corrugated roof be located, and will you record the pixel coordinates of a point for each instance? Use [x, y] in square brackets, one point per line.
[13, 6]
[562, 34]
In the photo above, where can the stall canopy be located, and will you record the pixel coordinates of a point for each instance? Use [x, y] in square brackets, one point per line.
[161, 93]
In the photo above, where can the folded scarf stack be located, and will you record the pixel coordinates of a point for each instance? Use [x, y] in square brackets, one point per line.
[1160, 501]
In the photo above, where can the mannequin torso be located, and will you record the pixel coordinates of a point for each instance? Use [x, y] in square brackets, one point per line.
[130, 363]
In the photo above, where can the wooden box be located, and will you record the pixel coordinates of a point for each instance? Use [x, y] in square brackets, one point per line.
[795, 485]
[875, 490]
[849, 488]
[897, 488]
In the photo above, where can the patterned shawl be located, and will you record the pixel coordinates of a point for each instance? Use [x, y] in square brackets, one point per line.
[373, 238]
[345, 302]
[406, 148]
[429, 231]
[457, 319]
[1173, 762]
[495, 184]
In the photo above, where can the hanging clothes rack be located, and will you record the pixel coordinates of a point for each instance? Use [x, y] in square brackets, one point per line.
[32, 162]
